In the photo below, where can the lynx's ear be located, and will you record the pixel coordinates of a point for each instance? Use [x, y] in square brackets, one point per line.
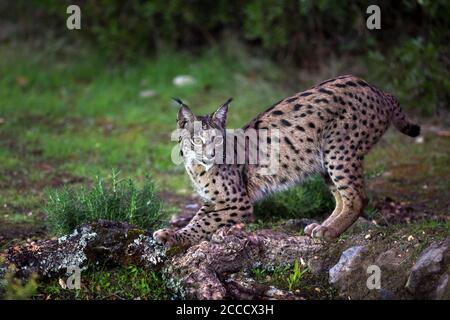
[220, 116]
[184, 115]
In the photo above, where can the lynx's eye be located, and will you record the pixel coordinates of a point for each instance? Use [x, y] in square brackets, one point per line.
[197, 141]
[218, 140]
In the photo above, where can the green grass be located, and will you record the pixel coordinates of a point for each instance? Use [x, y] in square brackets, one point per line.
[67, 106]
[295, 278]
[311, 199]
[284, 277]
[120, 200]
[98, 282]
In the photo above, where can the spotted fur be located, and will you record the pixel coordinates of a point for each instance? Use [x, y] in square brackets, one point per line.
[327, 130]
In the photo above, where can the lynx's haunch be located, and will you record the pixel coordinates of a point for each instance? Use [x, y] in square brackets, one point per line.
[327, 130]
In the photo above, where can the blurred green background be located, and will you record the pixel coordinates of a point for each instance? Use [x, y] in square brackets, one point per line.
[409, 54]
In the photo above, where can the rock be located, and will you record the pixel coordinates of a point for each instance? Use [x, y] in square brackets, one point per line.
[427, 278]
[362, 225]
[430, 272]
[387, 295]
[200, 272]
[299, 224]
[241, 286]
[192, 206]
[202, 268]
[147, 93]
[105, 242]
[183, 216]
[183, 80]
[218, 269]
[394, 265]
[391, 259]
[182, 219]
[442, 291]
[348, 262]
[316, 265]
[354, 274]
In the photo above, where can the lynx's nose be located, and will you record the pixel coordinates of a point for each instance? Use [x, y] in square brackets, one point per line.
[210, 152]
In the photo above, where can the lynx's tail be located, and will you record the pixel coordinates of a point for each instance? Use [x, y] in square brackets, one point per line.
[402, 123]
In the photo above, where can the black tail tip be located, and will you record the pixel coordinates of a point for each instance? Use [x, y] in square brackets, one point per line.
[413, 131]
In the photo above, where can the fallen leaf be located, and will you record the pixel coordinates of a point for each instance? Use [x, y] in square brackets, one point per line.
[21, 81]
[45, 167]
[443, 133]
[62, 283]
[302, 262]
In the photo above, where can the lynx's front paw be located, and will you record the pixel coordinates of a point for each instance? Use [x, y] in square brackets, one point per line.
[165, 236]
[170, 238]
[310, 227]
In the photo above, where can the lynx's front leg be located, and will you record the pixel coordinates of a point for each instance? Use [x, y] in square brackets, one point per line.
[173, 237]
[207, 220]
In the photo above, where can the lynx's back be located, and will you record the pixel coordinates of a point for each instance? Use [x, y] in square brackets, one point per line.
[327, 128]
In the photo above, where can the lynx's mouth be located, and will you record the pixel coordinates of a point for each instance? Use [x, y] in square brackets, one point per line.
[208, 161]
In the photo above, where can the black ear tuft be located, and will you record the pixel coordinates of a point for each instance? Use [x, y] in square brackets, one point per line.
[185, 115]
[228, 101]
[221, 114]
[178, 100]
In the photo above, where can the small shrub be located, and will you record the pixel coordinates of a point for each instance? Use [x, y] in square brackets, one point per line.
[121, 200]
[310, 199]
[12, 288]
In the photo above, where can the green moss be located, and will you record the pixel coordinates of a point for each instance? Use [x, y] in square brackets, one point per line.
[134, 233]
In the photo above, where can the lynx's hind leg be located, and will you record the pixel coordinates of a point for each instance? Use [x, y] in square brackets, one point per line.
[353, 201]
[349, 183]
[338, 204]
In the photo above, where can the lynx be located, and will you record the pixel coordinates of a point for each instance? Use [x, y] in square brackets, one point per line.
[326, 130]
